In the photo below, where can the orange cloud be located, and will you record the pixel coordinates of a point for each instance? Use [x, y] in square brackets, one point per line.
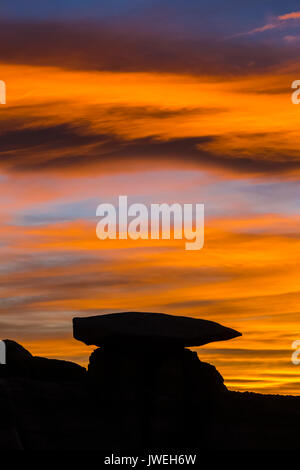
[289, 16]
[62, 121]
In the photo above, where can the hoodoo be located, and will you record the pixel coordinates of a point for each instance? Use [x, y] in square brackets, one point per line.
[157, 391]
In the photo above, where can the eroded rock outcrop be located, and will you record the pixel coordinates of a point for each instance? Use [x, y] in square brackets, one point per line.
[136, 395]
[159, 391]
[21, 363]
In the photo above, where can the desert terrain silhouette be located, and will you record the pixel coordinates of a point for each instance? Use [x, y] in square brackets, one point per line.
[143, 389]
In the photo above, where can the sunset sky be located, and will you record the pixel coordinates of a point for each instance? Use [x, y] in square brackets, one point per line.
[163, 101]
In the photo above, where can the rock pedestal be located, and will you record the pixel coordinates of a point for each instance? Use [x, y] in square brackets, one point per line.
[144, 392]
[154, 392]
[156, 398]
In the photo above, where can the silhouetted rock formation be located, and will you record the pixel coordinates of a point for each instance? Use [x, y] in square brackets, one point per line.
[153, 329]
[155, 397]
[21, 363]
[156, 387]
[15, 353]
[135, 395]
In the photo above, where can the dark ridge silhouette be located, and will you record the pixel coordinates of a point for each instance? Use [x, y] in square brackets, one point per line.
[21, 363]
[143, 390]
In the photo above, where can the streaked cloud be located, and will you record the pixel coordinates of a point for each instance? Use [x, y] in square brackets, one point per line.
[146, 119]
[88, 45]
[275, 23]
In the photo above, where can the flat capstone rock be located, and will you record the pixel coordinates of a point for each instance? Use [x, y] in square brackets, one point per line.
[148, 329]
